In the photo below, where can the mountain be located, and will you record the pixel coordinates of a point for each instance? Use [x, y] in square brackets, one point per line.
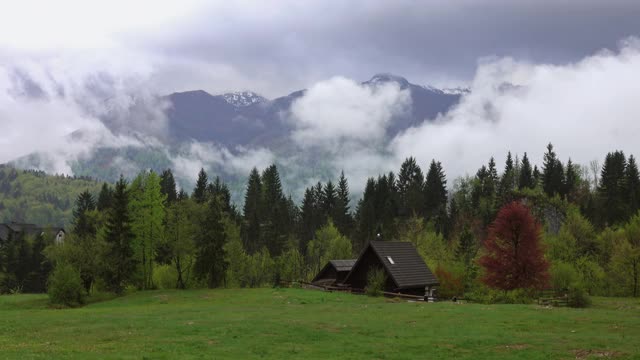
[246, 118]
[227, 126]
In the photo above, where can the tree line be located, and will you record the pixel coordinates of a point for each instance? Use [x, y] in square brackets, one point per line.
[148, 233]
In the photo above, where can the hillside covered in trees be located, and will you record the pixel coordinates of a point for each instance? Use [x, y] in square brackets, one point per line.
[147, 234]
[35, 197]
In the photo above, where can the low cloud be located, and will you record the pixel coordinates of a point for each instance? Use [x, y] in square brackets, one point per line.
[198, 155]
[339, 110]
[585, 109]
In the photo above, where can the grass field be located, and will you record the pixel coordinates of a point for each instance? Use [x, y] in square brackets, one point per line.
[296, 323]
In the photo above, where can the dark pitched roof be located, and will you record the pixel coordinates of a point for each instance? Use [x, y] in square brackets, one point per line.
[408, 269]
[343, 265]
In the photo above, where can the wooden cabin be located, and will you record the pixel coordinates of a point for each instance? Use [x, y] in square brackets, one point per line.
[15, 229]
[334, 272]
[405, 269]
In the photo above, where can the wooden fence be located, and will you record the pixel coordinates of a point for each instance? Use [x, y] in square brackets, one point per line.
[350, 290]
[551, 298]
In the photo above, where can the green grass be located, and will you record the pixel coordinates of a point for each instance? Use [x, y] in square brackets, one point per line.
[296, 323]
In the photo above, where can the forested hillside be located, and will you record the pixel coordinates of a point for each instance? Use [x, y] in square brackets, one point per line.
[35, 197]
[577, 228]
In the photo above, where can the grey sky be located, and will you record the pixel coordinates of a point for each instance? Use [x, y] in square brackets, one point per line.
[296, 43]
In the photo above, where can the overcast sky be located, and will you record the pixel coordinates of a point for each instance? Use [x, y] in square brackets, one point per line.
[576, 64]
[274, 47]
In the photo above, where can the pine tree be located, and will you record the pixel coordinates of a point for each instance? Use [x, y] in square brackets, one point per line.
[572, 179]
[633, 185]
[250, 230]
[526, 180]
[119, 257]
[200, 191]
[182, 195]
[105, 198]
[218, 189]
[435, 191]
[274, 207]
[82, 226]
[309, 218]
[210, 239]
[612, 188]
[552, 173]
[537, 176]
[329, 199]
[366, 216]
[410, 189]
[168, 186]
[342, 216]
[508, 180]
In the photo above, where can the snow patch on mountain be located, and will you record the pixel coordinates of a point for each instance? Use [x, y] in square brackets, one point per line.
[243, 98]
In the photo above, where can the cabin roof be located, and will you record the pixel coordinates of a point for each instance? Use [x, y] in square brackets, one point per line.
[343, 265]
[402, 262]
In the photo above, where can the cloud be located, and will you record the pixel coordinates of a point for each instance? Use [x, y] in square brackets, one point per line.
[199, 155]
[340, 110]
[103, 100]
[585, 109]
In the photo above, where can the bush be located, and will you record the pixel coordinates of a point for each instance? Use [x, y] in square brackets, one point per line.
[578, 297]
[490, 296]
[375, 282]
[165, 277]
[562, 276]
[65, 286]
[450, 284]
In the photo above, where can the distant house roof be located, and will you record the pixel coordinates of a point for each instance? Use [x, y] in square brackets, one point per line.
[334, 270]
[402, 262]
[343, 265]
[27, 229]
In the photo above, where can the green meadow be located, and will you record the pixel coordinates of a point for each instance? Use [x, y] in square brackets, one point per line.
[298, 323]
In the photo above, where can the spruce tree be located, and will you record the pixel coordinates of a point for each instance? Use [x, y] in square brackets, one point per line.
[329, 199]
[104, 198]
[552, 173]
[82, 225]
[508, 180]
[366, 216]
[435, 191]
[210, 265]
[526, 180]
[537, 176]
[119, 257]
[342, 216]
[251, 230]
[274, 207]
[309, 218]
[410, 189]
[572, 179]
[168, 186]
[612, 188]
[200, 191]
[633, 185]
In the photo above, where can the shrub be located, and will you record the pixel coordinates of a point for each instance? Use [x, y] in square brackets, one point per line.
[65, 286]
[578, 297]
[450, 284]
[165, 277]
[375, 282]
[490, 296]
[562, 276]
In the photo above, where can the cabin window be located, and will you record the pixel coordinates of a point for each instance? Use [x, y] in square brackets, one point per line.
[390, 260]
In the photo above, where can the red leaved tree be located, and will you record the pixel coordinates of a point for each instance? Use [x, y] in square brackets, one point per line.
[514, 257]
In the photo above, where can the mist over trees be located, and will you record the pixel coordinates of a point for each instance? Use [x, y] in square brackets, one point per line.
[579, 227]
